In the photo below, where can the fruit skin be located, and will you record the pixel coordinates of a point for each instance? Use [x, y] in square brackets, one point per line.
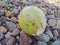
[31, 19]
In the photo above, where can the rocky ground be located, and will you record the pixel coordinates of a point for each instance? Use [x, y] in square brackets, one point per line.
[12, 34]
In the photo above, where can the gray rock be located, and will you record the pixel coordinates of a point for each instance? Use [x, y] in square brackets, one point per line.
[57, 42]
[16, 43]
[44, 37]
[11, 41]
[55, 32]
[0, 44]
[59, 12]
[10, 25]
[1, 36]
[52, 22]
[24, 39]
[2, 10]
[0, 23]
[50, 16]
[1, 14]
[3, 42]
[49, 33]
[41, 43]
[15, 10]
[8, 35]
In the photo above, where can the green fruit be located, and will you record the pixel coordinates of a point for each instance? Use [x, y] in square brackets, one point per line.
[32, 20]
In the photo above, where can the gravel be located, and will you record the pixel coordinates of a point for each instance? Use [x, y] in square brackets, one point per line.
[10, 41]
[44, 37]
[41, 43]
[55, 32]
[10, 25]
[57, 42]
[24, 39]
[10, 29]
[49, 33]
[1, 36]
[8, 35]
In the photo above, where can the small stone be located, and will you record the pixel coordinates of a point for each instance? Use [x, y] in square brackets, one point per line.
[17, 0]
[24, 39]
[49, 33]
[0, 44]
[15, 32]
[58, 12]
[8, 14]
[19, 7]
[10, 41]
[52, 22]
[40, 0]
[17, 25]
[3, 29]
[58, 23]
[33, 0]
[51, 16]
[49, 12]
[1, 14]
[0, 23]
[3, 19]
[1, 36]
[16, 44]
[55, 38]
[13, 19]
[10, 25]
[55, 32]
[2, 10]
[8, 35]
[15, 10]
[3, 42]
[57, 42]
[44, 37]
[41, 43]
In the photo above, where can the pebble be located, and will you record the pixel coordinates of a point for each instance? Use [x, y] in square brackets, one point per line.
[3, 42]
[41, 43]
[58, 12]
[15, 32]
[0, 44]
[8, 14]
[1, 14]
[10, 41]
[0, 23]
[24, 39]
[1, 36]
[52, 22]
[55, 32]
[17, 25]
[8, 35]
[15, 10]
[16, 44]
[3, 19]
[12, 10]
[49, 33]
[49, 12]
[2, 10]
[51, 16]
[10, 25]
[3, 29]
[44, 37]
[58, 23]
[13, 19]
[57, 42]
